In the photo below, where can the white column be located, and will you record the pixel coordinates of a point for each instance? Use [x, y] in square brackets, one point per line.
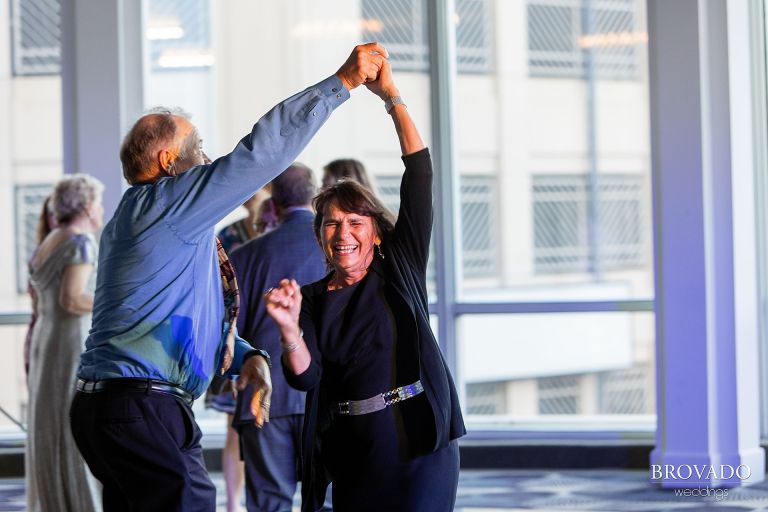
[704, 224]
[102, 86]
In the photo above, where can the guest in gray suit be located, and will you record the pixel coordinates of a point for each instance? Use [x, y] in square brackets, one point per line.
[271, 453]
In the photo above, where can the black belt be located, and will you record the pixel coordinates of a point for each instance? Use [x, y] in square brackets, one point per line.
[145, 385]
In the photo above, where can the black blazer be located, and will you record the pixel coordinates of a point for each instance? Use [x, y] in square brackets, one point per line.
[403, 269]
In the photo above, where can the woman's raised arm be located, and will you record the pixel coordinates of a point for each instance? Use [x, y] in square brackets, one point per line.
[384, 87]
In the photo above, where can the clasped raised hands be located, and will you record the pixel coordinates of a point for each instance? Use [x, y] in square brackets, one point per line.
[363, 65]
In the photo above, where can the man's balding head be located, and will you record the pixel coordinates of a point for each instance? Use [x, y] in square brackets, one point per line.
[161, 143]
[293, 187]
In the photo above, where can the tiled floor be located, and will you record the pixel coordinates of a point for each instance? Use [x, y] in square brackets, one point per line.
[551, 491]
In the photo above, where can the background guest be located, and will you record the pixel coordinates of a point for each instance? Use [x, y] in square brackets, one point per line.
[46, 222]
[63, 279]
[260, 219]
[220, 395]
[271, 453]
[346, 168]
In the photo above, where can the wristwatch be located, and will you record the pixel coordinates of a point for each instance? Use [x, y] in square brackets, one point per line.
[391, 102]
[258, 352]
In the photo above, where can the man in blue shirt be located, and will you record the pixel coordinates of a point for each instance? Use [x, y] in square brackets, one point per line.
[158, 320]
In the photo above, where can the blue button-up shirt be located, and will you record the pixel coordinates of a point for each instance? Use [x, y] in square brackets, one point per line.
[158, 308]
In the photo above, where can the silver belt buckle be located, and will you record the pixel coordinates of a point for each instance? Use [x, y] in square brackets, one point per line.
[380, 401]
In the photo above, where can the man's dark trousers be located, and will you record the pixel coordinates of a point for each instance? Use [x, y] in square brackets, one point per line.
[145, 449]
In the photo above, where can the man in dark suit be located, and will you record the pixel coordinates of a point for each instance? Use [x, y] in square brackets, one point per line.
[271, 453]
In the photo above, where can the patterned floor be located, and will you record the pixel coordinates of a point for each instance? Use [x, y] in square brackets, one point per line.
[551, 491]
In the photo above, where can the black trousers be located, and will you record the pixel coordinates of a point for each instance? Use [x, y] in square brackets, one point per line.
[145, 449]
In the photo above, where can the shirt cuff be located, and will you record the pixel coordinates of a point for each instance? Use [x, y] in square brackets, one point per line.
[333, 89]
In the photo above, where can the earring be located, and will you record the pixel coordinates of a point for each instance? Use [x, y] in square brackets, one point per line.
[378, 248]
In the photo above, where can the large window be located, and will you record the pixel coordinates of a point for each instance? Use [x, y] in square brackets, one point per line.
[549, 310]
[552, 145]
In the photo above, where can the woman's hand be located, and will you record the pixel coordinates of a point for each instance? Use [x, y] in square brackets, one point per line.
[384, 85]
[283, 304]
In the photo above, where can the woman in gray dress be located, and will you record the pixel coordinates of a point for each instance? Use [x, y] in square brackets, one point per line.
[63, 277]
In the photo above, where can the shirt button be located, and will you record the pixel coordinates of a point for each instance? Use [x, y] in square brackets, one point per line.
[314, 113]
[338, 95]
[335, 89]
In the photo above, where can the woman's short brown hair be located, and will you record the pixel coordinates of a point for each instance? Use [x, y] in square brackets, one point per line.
[352, 197]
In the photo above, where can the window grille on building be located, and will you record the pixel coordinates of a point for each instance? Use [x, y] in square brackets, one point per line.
[29, 203]
[625, 392]
[36, 37]
[559, 395]
[479, 249]
[560, 40]
[486, 398]
[401, 26]
[561, 222]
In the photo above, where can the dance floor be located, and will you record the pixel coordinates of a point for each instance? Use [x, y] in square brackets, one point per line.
[568, 490]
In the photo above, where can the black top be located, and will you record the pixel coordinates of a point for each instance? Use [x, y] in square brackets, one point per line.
[402, 272]
[358, 341]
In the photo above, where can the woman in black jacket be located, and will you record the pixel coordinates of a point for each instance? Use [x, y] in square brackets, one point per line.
[382, 416]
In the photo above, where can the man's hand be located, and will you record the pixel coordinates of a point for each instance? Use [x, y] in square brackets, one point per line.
[255, 371]
[363, 65]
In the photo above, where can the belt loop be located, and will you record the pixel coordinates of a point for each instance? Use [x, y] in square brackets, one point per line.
[149, 387]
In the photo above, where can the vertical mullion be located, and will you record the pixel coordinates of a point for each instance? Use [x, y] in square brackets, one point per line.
[442, 79]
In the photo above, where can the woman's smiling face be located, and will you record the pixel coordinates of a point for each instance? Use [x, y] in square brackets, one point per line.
[348, 241]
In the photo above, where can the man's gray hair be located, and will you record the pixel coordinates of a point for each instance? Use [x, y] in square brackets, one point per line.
[73, 195]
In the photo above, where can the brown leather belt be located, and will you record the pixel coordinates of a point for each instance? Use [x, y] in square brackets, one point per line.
[146, 385]
[380, 401]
